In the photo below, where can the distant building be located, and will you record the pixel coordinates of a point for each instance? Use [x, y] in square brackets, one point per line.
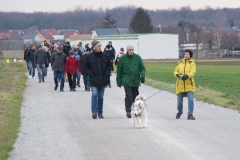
[46, 36]
[29, 39]
[109, 31]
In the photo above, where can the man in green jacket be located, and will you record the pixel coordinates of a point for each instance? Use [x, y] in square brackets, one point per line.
[130, 71]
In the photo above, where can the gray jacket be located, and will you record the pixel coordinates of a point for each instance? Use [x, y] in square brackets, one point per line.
[40, 57]
[58, 61]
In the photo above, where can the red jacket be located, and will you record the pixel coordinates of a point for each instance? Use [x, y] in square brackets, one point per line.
[72, 65]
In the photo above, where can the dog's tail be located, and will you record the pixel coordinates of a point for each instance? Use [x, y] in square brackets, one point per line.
[140, 97]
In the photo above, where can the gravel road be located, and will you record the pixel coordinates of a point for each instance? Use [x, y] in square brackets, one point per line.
[59, 126]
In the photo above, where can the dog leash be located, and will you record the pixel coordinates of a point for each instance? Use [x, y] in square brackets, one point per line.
[157, 92]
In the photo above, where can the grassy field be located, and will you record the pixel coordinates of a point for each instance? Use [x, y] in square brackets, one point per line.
[217, 84]
[12, 84]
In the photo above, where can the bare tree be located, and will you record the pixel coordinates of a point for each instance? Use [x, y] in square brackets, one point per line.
[220, 18]
[217, 34]
[197, 32]
[233, 39]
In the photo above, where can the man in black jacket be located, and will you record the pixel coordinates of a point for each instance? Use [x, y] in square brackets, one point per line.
[83, 72]
[30, 61]
[58, 60]
[41, 61]
[98, 66]
[66, 48]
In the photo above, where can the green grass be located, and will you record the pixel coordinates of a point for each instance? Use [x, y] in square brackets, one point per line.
[12, 84]
[222, 81]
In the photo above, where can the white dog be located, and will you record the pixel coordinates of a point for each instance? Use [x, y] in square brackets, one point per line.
[139, 111]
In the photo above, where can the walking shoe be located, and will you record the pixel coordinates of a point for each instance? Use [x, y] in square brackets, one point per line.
[88, 89]
[85, 89]
[71, 89]
[129, 115]
[55, 88]
[33, 77]
[30, 77]
[78, 85]
[100, 115]
[74, 89]
[39, 81]
[61, 90]
[43, 78]
[190, 117]
[178, 115]
[94, 115]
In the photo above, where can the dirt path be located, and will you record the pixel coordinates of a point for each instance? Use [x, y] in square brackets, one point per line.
[59, 126]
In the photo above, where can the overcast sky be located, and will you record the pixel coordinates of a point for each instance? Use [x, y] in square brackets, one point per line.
[59, 6]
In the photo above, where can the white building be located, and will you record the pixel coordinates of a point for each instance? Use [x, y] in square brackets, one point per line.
[148, 46]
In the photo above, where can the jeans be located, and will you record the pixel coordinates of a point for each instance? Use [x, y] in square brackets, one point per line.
[130, 95]
[190, 96]
[86, 81]
[78, 77]
[41, 71]
[72, 80]
[31, 68]
[97, 99]
[58, 74]
[46, 69]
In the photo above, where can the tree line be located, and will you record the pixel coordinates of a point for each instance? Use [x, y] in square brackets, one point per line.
[86, 20]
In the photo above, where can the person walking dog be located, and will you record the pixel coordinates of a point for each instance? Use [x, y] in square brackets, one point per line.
[130, 71]
[185, 71]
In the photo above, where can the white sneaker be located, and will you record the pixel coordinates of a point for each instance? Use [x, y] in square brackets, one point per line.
[33, 77]
[30, 76]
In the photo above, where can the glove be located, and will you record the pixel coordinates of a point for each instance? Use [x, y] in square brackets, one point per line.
[179, 75]
[142, 79]
[184, 77]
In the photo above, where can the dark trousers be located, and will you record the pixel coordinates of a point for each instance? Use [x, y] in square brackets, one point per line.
[72, 80]
[130, 94]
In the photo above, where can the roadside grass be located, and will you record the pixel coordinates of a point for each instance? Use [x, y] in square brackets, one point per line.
[12, 84]
[215, 84]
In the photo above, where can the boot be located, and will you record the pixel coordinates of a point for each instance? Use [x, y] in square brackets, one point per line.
[178, 115]
[100, 116]
[94, 115]
[129, 115]
[190, 117]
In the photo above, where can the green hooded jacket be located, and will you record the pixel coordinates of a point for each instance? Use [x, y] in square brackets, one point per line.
[129, 70]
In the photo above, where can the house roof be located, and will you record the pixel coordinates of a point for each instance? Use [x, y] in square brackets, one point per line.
[68, 34]
[18, 36]
[52, 31]
[123, 30]
[79, 37]
[106, 31]
[45, 34]
[14, 31]
[63, 31]
[29, 36]
[4, 35]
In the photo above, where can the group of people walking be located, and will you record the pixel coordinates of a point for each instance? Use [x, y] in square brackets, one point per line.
[96, 66]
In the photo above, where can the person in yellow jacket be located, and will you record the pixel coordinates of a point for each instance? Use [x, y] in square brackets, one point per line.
[185, 71]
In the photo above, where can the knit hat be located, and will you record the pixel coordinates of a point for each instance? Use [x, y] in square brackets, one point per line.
[110, 42]
[75, 50]
[130, 47]
[59, 48]
[95, 44]
[122, 49]
[190, 52]
[88, 49]
[71, 52]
